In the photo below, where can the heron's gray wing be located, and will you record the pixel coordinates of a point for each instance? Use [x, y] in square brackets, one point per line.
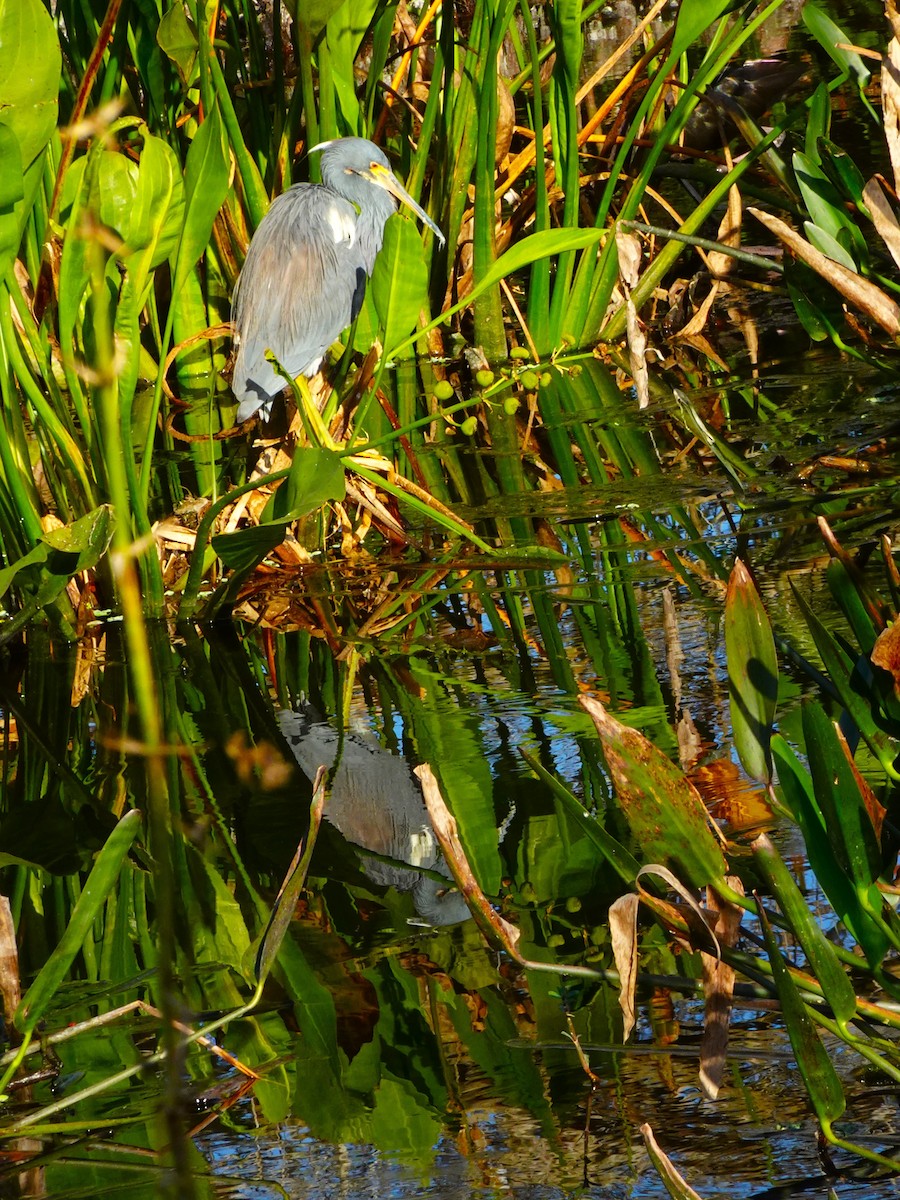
[298, 290]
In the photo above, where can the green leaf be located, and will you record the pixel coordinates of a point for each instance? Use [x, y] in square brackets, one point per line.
[752, 673]
[312, 15]
[843, 172]
[11, 173]
[666, 815]
[797, 790]
[205, 187]
[67, 550]
[841, 671]
[822, 201]
[834, 41]
[829, 246]
[157, 215]
[399, 281]
[97, 889]
[316, 476]
[840, 802]
[30, 63]
[819, 1076]
[178, 40]
[694, 18]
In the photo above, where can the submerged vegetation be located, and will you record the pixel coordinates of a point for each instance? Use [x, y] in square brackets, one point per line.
[152, 803]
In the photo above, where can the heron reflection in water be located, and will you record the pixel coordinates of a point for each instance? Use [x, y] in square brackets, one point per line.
[304, 278]
[376, 803]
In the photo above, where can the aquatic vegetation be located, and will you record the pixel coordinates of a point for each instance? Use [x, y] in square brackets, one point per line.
[392, 530]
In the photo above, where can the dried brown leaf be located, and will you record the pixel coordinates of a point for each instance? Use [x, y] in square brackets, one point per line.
[637, 355]
[890, 100]
[729, 234]
[858, 291]
[883, 217]
[628, 248]
[623, 935]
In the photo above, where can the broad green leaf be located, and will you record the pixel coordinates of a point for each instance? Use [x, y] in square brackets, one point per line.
[344, 35]
[814, 302]
[158, 212]
[178, 39]
[113, 192]
[829, 246]
[11, 174]
[97, 888]
[205, 188]
[819, 1076]
[30, 62]
[752, 673]
[843, 172]
[67, 550]
[662, 807]
[854, 603]
[822, 201]
[316, 476]
[399, 281]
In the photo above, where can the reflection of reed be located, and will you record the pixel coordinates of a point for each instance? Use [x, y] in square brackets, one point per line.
[375, 803]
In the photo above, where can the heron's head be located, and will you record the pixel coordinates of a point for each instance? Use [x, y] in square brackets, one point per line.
[346, 160]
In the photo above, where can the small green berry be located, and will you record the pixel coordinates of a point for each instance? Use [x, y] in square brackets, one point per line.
[546, 379]
[443, 390]
[484, 377]
[510, 405]
[469, 425]
[519, 352]
[529, 381]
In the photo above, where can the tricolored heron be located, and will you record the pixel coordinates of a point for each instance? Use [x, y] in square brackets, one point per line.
[305, 274]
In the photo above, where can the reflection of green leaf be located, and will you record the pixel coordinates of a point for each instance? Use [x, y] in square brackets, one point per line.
[96, 891]
[244, 548]
[819, 1075]
[752, 673]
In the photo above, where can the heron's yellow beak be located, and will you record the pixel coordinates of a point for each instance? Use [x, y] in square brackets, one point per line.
[384, 178]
